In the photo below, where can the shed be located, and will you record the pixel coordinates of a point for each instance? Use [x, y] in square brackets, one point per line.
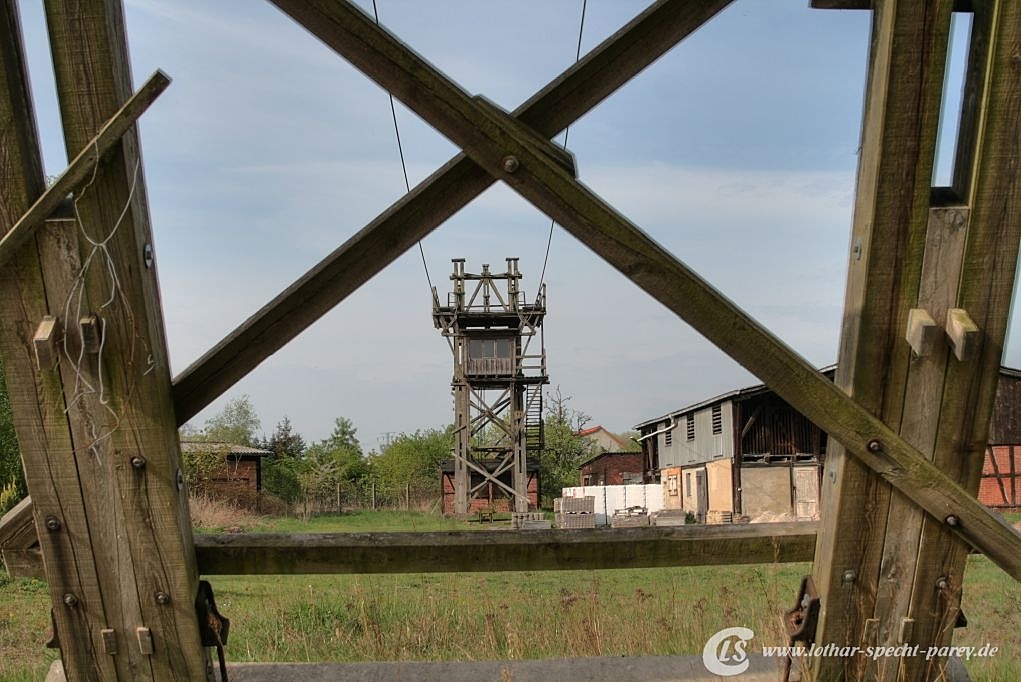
[612, 468]
[242, 466]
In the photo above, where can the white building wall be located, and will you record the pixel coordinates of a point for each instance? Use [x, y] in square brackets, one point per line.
[610, 498]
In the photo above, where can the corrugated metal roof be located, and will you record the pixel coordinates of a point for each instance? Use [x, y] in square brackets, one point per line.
[225, 448]
[740, 392]
[1006, 371]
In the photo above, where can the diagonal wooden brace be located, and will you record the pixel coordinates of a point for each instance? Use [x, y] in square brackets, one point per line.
[489, 138]
[83, 166]
[566, 98]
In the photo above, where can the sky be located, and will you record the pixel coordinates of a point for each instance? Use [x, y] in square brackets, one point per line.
[737, 151]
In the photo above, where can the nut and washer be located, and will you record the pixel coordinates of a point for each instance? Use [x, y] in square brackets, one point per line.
[70, 600]
[138, 462]
[162, 598]
[52, 524]
[511, 163]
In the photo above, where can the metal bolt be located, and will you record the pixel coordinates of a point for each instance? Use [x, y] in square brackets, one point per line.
[943, 583]
[70, 600]
[162, 598]
[850, 576]
[180, 480]
[138, 462]
[511, 163]
[857, 249]
[952, 521]
[874, 445]
[147, 255]
[52, 523]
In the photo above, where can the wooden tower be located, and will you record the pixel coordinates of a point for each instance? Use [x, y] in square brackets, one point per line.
[497, 384]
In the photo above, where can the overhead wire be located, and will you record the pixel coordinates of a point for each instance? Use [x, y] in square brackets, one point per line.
[404, 166]
[567, 132]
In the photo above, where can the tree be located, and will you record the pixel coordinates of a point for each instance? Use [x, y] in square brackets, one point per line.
[412, 461]
[12, 478]
[564, 450]
[343, 435]
[237, 423]
[333, 465]
[285, 442]
[280, 472]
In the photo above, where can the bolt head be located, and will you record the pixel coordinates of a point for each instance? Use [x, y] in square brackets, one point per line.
[942, 583]
[511, 163]
[162, 598]
[70, 600]
[849, 576]
[180, 480]
[952, 521]
[147, 256]
[52, 523]
[138, 462]
[874, 445]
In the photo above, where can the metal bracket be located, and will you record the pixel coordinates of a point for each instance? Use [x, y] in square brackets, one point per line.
[213, 627]
[801, 620]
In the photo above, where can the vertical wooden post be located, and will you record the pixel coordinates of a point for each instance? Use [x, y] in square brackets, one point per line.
[98, 434]
[37, 398]
[901, 116]
[896, 578]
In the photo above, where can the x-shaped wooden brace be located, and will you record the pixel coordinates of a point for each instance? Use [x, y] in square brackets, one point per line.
[509, 149]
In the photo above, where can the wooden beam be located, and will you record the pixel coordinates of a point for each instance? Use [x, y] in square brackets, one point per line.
[491, 139]
[906, 74]
[17, 527]
[83, 166]
[137, 518]
[37, 399]
[991, 187]
[959, 5]
[502, 550]
[440, 196]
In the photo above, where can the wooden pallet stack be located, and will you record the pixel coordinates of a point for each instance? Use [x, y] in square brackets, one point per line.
[575, 512]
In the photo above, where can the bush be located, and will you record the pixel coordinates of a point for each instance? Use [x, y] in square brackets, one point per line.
[10, 495]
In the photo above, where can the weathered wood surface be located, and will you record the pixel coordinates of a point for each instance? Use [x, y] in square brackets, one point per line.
[17, 527]
[884, 273]
[437, 198]
[489, 139]
[993, 193]
[37, 399]
[133, 522]
[504, 550]
[79, 170]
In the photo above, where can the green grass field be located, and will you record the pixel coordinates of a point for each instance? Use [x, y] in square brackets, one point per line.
[484, 616]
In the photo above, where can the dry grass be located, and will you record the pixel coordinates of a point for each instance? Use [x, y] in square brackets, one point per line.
[210, 514]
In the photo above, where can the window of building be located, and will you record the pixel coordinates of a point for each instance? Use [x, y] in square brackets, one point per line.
[492, 347]
[717, 419]
[671, 484]
[668, 438]
[690, 424]
[631, 477]
[586, 480]
[687, 484]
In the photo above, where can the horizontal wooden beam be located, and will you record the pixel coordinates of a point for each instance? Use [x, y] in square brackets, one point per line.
[504, 550]
[491, 139]
[24, 563]
[959, 5]
[83, 166]
[440, 196]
